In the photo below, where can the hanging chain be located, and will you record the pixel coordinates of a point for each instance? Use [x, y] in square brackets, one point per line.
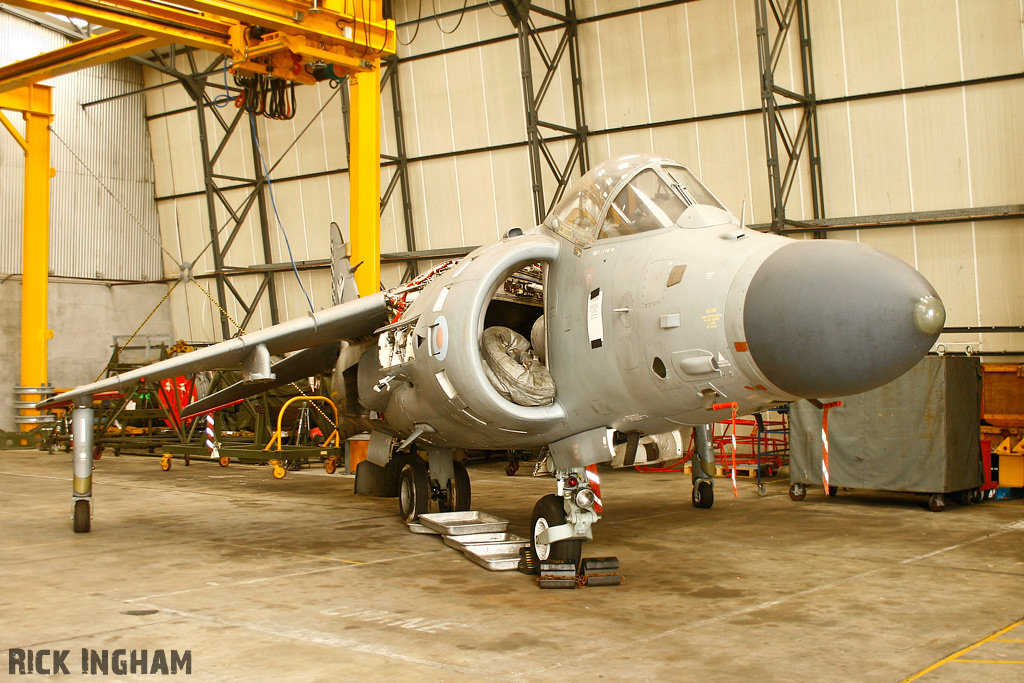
[139, 328]
[315, 405]
[226, 314]
[114, 197]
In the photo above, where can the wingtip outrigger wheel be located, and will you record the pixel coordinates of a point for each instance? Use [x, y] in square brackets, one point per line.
[702, 465]
[82, 516]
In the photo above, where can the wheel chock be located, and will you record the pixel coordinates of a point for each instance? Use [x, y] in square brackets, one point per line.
[600, 571]
[527, 561]
[557, 575]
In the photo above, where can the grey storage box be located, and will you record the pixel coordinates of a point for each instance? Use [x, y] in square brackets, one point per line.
[919, 433]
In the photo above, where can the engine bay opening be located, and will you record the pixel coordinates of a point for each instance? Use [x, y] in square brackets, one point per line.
[514, 340]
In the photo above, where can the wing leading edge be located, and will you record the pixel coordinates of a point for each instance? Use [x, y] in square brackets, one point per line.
[349, 320]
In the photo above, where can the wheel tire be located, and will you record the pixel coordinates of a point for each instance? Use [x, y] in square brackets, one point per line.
[511, 468]
[460, 497]
[797, 492]
[224, 461]
[550, 512]
[165, 463]
[279, 472]
[703, 494]
[413, 491]
[83, 517]
[330, 465]
[937, 502]
[97, 452]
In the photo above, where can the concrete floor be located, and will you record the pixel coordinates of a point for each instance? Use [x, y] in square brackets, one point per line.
[300, 580]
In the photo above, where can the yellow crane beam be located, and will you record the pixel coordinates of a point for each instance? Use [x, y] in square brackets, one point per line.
[185, 27]
[99, 49]
[287, 36]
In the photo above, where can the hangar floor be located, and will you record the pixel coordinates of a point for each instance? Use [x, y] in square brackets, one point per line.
[300, 580]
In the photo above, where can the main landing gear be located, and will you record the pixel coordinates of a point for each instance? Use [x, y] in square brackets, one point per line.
[443, 481]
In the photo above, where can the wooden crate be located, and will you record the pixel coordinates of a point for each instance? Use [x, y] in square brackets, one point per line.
[1002, 394]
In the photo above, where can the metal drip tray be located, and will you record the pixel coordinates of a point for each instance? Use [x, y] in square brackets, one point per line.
[494, 561]
[463, 523]
[475, 540]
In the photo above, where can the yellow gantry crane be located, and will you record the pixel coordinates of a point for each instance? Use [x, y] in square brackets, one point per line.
[283, 39]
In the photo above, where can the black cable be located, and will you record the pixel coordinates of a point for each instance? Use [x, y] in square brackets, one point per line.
[437, 19]
[417, 31]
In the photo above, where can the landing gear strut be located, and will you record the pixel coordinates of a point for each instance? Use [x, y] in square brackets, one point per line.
[702, 468]
[82, 429]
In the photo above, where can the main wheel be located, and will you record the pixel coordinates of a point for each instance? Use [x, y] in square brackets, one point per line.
[413, 491]
[550, 512]
[797, 491]
[703, 495]
[83, 517]
[459, 492]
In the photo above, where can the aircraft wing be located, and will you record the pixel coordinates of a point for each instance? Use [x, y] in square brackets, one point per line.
[304, 363]
[349, 320]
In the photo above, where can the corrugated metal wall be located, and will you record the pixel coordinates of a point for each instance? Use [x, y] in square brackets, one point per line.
[694, 64]
[93, 233]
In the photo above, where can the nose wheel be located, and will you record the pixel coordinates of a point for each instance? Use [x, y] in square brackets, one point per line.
[550, 512]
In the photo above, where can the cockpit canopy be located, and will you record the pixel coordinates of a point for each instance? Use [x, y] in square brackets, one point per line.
[631, 194]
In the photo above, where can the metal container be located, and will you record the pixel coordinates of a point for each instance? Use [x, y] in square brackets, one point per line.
[463, 523]
[494, 561]
[472, 540]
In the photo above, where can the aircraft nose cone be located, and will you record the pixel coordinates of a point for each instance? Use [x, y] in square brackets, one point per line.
[832, 318]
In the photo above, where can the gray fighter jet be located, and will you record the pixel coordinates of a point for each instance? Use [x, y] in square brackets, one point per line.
[637, 306]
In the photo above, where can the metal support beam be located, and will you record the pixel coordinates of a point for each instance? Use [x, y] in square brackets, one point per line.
[197, 90]
[773, 32]
[540, 134]
[364, 180]
[34, 103]
[402, 163]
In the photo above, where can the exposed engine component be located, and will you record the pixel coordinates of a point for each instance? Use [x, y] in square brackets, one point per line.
[514, 371]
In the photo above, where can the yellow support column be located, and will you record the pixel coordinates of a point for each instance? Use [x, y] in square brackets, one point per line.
[34, 103]
[364, 179]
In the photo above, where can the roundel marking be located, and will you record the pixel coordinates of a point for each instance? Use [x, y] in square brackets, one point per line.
[439, 338]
